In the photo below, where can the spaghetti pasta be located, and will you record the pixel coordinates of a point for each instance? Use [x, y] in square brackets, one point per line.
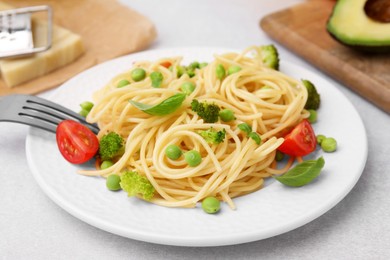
[266, 99]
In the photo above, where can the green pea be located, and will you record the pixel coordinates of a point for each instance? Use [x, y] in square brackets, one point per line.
[157, 78]
[202, 65]
[320, 138]
[220, 71]
[245, 128]
[329, 144]
[255, 136]
[313, 116]
[173, 152]
[180, 70]
[83, 112]
[190, 72]
[188, 87]
[122, 83]
[279, 156]
[233, 69]
[211, 205]
[87, 105]
[266, 87]
[106, 164]
[138, 74]
[193, 158]
[194, 65]
[227, 115]
[113, 182]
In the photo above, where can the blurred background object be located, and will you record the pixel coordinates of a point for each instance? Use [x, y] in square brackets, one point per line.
[106, 30]
[16, 38]
[302, 29]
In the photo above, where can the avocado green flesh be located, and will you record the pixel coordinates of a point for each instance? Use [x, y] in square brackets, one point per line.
[350, 25]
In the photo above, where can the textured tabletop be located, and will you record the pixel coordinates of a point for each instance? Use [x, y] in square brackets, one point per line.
[32, 226]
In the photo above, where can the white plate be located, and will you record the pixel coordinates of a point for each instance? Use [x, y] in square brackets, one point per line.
[271, 211]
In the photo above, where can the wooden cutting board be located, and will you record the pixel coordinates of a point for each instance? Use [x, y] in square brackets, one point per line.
[108, 30]
[302, 29]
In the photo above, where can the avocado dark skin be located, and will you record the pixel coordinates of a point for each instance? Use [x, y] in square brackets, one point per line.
[367, 31]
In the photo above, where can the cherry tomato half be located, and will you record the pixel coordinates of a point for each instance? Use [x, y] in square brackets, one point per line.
[77, 143]
[166, 64]
[300, 141]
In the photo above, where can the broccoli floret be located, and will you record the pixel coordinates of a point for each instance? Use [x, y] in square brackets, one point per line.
[270, 56]
[209, 112]
[135, 184]
[110, 145]
[212, 136]
[313, 98]
[190, 70]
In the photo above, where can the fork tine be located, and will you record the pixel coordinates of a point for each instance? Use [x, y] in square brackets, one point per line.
[38, 112]
[11, 110]
[33, 110]
[57, 111]
[37, 122]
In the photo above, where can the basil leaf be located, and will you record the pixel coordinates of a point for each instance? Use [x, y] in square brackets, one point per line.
[166, 107]
[303, 173]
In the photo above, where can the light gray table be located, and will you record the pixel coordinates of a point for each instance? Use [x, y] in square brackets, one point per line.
[34, 227]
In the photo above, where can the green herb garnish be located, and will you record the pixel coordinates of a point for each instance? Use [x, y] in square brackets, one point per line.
[303, 173]
[166, 107]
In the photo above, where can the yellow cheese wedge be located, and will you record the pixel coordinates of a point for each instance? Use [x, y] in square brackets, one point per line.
[66, 47]
[4, 6]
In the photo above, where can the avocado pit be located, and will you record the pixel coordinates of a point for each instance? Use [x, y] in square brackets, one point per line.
[378, 10]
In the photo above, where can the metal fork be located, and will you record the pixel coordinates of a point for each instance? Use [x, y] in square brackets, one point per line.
[38, 112]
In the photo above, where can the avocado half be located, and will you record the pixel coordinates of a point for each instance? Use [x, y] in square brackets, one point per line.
[361, 24]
